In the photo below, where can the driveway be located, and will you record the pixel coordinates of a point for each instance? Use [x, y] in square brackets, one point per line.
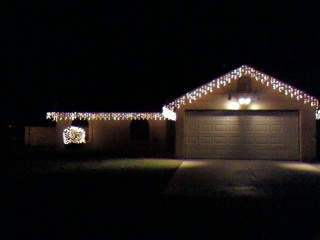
[237, 199]
[243, 178]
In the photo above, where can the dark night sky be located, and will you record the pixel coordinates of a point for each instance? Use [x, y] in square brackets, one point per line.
[136, 55]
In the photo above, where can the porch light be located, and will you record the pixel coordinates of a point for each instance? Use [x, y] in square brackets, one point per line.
[244, 101]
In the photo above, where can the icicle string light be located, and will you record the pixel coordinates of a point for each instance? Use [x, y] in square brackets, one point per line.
[57, 116]
[236, 74]
[197, 93]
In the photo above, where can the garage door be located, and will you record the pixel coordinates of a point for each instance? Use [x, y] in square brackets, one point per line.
[242, 134]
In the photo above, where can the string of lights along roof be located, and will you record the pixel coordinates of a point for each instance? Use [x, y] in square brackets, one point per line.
[56, 116]
[236, 74]
[195, 94]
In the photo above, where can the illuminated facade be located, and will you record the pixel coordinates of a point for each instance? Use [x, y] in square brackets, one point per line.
[242, 114]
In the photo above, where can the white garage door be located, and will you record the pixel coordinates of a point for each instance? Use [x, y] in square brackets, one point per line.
[242, 134]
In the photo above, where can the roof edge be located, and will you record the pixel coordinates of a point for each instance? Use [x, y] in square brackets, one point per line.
[235, 74]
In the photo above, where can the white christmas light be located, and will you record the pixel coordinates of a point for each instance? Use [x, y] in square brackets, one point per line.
[57, 116]
[167, 113]
[73, 134]
[263, 78]
[197, 93]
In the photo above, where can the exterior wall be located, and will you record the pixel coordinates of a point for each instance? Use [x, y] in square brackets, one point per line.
[61, 125]
[265, 98]
[113, 137]
[40, 136]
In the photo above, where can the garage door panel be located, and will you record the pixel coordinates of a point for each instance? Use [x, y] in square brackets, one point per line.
[220, 140]
[192, 140]
[192, 128]
[279, 135]
[247, 128]
[290, 128]
[205, 128]
[220, 134]
[240, 128]
[234, 140]
[205, 134]
[262, 140]
[276, 141]
[277, 128]
[279, 118]
[242, 134]
[219, 153]
[192, 153]
[231, 120]
[205, 153]
[262, 128]
[193, 135]
[239, 140]
[221, 120]
[220, 127]
[192, 120]
[233, 127]
[205, 140]
[205, 120]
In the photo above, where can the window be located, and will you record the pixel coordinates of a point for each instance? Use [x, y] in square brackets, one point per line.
[82, 124]
[139, 130]
[244, 85]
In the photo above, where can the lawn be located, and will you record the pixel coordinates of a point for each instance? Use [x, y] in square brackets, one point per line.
[90, 180]
[32, 167]
[47, 197]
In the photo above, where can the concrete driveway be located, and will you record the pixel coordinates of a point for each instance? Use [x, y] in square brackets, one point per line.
[230, 199]
[244, 178]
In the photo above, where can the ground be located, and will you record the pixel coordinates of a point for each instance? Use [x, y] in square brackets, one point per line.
[123, 199]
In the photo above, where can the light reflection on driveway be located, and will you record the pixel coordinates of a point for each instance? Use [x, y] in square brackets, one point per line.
[232, 178]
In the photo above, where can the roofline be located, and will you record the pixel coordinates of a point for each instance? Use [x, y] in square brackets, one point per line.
[194, 95]
[235, 75]
[58, 116]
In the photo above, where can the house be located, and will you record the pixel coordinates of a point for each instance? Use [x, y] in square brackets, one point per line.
[243, 114]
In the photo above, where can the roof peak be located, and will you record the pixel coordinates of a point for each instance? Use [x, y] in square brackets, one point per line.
[234, 75]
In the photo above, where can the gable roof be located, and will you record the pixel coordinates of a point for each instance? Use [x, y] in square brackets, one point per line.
[234, 75]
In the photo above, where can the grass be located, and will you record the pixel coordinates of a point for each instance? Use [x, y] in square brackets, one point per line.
[58, 196]
[126, 165]
[30, 166]
[86, 180]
